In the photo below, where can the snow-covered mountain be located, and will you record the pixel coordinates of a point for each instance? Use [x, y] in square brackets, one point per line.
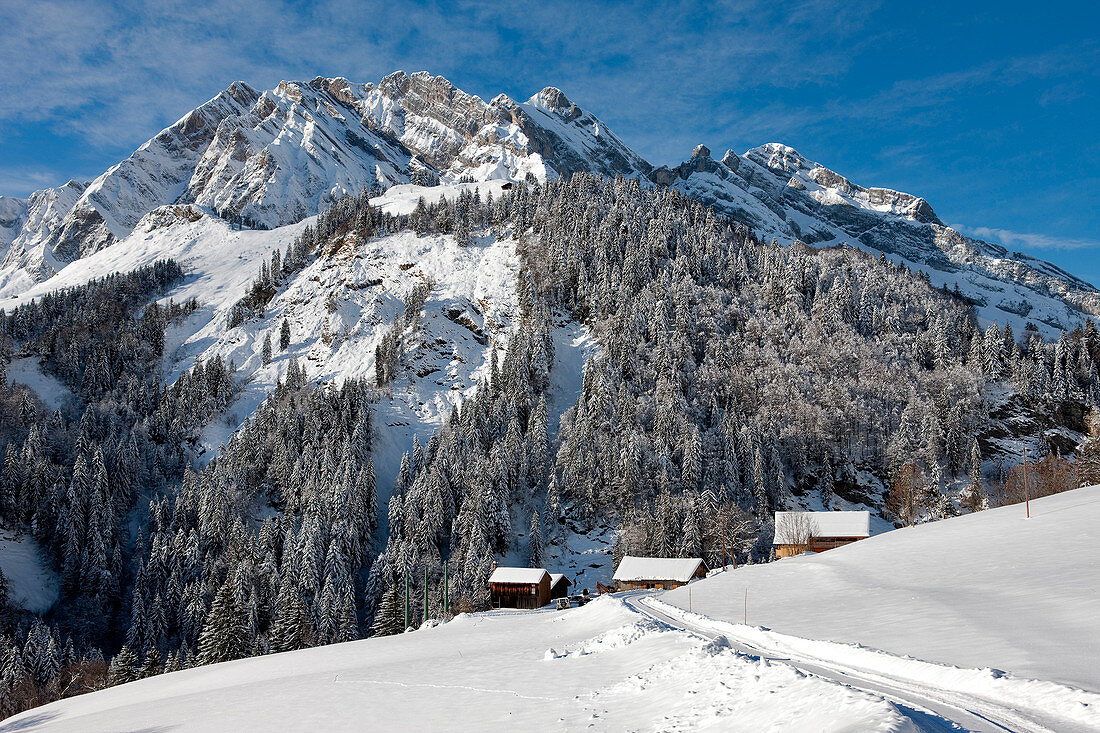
[781, 194]
[275, 157]
[337, 310]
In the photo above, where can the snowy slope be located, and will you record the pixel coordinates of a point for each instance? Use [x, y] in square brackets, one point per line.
[601, 667]
[469, 309]
[32, 583]
[633, 662]
[991, 589]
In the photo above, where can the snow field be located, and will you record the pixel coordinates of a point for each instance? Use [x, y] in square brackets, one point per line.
[486, 672]
[991, 589]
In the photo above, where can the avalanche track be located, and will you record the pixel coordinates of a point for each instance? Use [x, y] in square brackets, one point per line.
[931, 707]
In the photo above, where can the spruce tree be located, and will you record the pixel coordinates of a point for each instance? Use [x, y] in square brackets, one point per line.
[534, 543]
[124, 667]
[226, 634]
[291, 629]
[152, 665]
[390, 617]
[284, 335]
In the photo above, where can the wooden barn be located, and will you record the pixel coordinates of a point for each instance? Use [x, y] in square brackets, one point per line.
[519, 588]
[798, 532]
[658, 572]
[559, 585]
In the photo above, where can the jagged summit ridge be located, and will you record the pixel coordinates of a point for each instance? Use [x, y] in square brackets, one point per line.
[782, 194]
[277, 156]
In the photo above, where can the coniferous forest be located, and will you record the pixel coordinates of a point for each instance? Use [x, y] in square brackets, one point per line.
[734, 377]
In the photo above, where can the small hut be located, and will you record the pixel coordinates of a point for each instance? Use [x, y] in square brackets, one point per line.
[559, 586]
[798, 532]
[658, 572]
[519, 588]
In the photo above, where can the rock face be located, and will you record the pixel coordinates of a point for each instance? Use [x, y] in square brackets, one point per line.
[278, 156]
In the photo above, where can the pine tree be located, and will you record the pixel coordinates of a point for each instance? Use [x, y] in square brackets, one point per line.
[389, 619]
[291, 628]
[152, 665]
[534, 543]
[226, 634]
[124, 667]
[284, 336]
[265, 355]
[692, 542]
[973, 498]
[348, 623]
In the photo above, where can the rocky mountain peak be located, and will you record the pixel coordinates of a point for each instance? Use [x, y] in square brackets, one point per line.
[777, 157]
[394, 85]
[552, 98]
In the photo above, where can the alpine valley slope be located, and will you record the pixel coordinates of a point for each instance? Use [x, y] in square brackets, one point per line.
[276, 157]
[608, 666]
[990, 589]
[338, 309]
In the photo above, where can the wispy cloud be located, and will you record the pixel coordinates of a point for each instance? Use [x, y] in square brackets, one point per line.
[26, 179]
[1026, 241]
[114, 73]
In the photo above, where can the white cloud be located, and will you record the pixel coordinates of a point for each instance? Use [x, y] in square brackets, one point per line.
[20, 181]
[1023, 240]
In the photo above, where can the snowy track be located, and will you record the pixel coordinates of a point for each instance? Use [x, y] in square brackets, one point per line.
[930, 707]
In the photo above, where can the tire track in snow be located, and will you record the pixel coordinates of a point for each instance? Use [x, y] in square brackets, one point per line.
[933, 709]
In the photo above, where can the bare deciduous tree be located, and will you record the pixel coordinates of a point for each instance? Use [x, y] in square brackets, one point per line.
[797, 530]
[905, 498]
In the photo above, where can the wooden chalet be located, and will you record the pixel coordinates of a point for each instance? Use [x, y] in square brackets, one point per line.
[559, 586]
[798, 532]
[519, 588]
[658, 572]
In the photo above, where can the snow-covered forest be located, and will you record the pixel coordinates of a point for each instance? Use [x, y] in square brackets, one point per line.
[733, 377]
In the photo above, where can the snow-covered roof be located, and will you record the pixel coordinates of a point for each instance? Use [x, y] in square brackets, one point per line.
[525, 576]
[680, 569]
[556, 578]
[827, 524]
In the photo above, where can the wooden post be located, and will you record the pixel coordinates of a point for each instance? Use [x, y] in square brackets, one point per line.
[406, 600]
[746, 607]
[1027, 496]
[425, 614]
[446, 594]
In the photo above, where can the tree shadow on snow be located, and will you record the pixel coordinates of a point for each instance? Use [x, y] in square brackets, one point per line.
[32, 722]
[28, 723]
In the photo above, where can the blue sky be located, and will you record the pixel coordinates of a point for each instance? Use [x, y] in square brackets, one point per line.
[990, 111]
